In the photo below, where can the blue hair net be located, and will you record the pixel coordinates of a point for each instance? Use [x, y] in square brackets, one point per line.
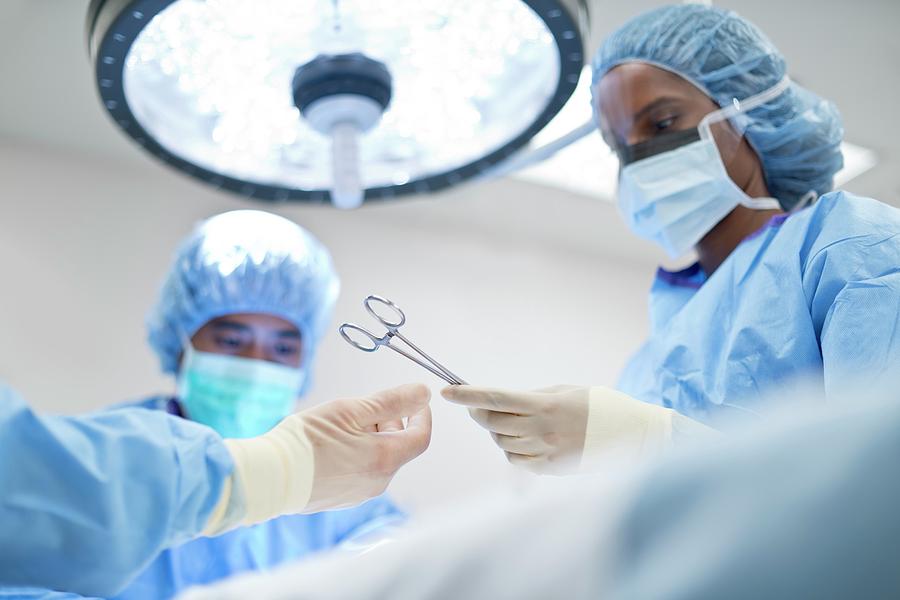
[797, 135]
[245, 261]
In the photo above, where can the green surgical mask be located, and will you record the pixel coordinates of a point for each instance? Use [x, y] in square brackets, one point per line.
[238, 397]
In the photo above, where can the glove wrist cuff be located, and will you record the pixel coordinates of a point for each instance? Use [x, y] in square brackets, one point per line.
[275, 471]
[616, 421]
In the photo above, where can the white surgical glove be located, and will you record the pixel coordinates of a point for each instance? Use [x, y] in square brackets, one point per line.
[333, 455]
[559, 429]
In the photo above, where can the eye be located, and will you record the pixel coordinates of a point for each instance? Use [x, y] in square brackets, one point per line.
[230, 342]
[664, 124]
[285, 349]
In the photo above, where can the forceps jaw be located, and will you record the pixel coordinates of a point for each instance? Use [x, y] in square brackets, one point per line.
[445, 373]
[434, 368]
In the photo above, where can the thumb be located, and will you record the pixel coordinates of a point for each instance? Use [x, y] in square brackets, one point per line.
[395, 403]
[414, 440]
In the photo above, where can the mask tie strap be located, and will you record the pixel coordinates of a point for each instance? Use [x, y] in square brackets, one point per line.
[761, 203]
[742, 106]
[807, 199]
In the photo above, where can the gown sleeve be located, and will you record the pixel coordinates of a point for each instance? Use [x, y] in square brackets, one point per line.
[86, 502]
[853, 284]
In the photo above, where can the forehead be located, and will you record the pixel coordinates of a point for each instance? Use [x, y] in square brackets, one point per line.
[260, 322]
[630, 87]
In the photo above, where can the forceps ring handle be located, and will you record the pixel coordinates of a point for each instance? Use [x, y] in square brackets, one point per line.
[385, 341]
[394, 325]
[376, 341]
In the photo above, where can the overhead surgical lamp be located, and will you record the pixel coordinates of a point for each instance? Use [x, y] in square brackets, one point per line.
[347, 100]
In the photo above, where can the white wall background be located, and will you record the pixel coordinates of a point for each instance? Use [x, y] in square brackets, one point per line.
[509, 284]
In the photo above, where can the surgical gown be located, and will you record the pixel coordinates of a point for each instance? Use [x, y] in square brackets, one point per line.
[87, 502]
[40, 594]
[814, 296]
[205, 560]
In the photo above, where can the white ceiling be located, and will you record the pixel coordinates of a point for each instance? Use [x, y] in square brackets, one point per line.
[846, 51]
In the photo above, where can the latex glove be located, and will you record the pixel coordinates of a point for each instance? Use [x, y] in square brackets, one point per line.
[330, 456]
[558, 429]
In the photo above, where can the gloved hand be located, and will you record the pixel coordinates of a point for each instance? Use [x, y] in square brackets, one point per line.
[333, 455]
[554, 430]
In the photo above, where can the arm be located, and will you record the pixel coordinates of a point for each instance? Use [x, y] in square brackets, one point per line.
[617, 419]
[564, 429]
[851, 280]
[861, 334]
[86, 502]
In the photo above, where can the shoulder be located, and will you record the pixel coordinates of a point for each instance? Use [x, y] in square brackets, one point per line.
[844, 222]
[158, 402]
[844, 240]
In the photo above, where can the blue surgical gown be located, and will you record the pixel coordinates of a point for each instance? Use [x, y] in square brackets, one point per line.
[814, 297]
[205, 560]
[87, 502]
[40, 594]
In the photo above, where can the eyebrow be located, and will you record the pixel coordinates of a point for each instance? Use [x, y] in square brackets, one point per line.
[235, 326]
[289, 333]
[654, 105]
[224, 324]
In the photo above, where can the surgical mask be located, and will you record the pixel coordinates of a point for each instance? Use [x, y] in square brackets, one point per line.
[238, 397]
[678, 189]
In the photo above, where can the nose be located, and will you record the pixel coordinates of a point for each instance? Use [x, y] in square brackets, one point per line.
[256, 351]
[634, 138]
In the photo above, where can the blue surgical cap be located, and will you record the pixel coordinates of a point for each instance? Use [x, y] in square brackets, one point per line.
[245, 261]
[797, 135]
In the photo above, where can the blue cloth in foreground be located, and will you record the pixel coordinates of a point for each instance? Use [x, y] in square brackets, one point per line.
[815, 295]
[39, 594]
[804, 509]
[87, 502]
[205, 560]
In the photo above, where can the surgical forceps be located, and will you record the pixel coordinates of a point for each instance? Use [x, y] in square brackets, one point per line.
[369, 342]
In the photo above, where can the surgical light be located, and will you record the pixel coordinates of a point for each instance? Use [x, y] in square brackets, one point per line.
[347, 100]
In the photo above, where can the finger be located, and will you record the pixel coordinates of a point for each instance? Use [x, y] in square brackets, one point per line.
[412, 441]
[392, 425]
[532, 463]
[558, 389]
[498, 422]
[393, 404]
[489, 398]
[527, 446]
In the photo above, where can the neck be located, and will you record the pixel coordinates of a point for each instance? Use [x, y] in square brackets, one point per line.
[721, 241]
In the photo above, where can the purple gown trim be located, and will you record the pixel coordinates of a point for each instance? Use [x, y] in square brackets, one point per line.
[173, 407]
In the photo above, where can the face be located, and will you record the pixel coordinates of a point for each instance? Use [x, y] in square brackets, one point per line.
[251, 335]
[637, 102]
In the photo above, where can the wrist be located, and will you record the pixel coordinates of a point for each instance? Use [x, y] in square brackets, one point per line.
[616, 421]
[230, 510]
[273, 471]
